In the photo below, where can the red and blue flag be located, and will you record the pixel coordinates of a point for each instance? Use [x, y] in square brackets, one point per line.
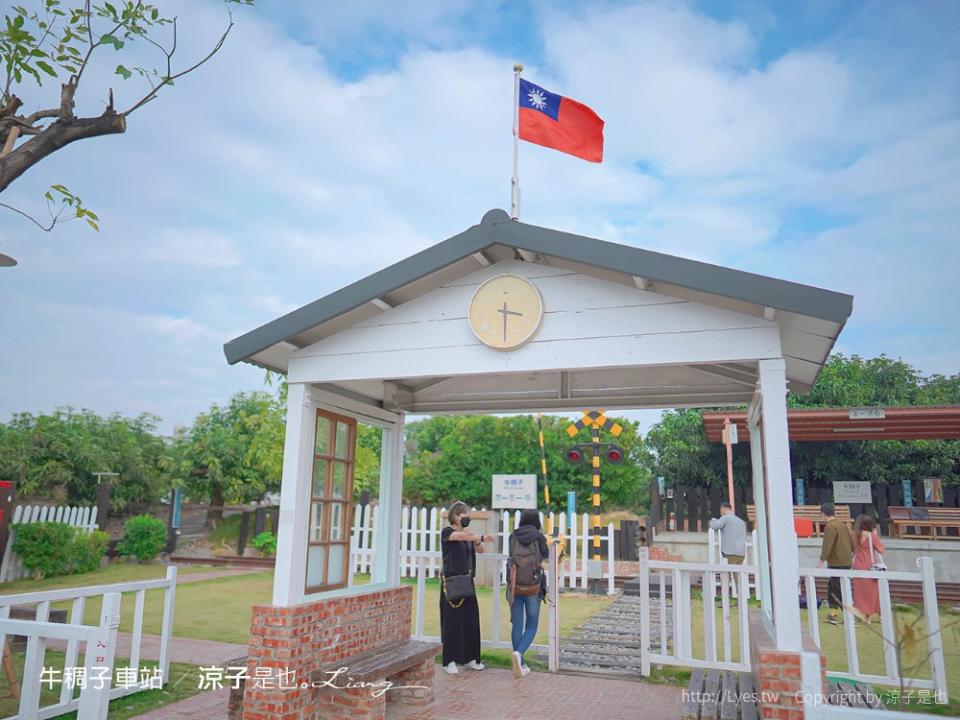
[560, 123]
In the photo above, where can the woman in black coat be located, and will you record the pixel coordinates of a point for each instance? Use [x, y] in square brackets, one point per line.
[460, 619]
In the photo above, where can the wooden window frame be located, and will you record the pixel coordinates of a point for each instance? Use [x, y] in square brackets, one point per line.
[327, 501]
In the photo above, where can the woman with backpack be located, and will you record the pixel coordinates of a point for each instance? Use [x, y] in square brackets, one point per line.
[526, 585]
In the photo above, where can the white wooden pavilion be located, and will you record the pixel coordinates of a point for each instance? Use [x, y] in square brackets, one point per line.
[622, 328]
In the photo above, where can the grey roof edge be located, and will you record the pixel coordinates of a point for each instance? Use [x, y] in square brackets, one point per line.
[496, 227]
[362, 291]
[692, 274]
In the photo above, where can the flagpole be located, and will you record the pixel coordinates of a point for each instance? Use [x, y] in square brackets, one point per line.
[515, 181]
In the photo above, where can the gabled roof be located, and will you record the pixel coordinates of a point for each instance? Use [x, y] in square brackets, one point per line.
[807, 309]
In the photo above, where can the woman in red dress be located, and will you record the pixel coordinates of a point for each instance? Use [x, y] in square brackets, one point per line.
[866, 552]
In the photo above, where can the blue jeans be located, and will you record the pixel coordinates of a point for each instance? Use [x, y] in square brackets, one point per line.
[524, 616]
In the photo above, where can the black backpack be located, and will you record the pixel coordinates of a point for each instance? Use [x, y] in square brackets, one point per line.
[525, 570]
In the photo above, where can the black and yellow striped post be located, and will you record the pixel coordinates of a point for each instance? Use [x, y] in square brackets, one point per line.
[546, 484]
[596, 420]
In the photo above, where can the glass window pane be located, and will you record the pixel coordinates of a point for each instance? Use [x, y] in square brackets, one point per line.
[323, 435]
[320, 477]
[343, 439]
[335, 564]
[316, 563]
[316, 522]
[339, 486]
[337, 516]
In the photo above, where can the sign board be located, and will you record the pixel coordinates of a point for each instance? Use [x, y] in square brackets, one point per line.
[733, 433]
[852, 491]
[933, 491]
[514, 492]
[867, 413]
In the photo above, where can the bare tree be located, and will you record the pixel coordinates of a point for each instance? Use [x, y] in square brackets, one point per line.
[57, 42]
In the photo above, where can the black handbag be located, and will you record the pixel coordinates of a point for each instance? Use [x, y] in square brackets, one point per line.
[457, 588]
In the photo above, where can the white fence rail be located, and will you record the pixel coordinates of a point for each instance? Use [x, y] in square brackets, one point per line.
[676, 645]
[421, 560]
[815, 706]
[11, 568]
[714, 556]
[420, 529]
[894, 673]
[98, 644]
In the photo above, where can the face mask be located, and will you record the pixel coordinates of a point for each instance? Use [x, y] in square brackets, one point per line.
[464, 521]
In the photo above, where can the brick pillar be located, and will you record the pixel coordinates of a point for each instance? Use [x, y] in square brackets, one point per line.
[776, 673]
[422, 674]
[299, 640]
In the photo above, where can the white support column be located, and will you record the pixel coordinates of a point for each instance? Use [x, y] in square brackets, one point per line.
[761, 554]
[386, 554]
[291, 564]
[784, 556]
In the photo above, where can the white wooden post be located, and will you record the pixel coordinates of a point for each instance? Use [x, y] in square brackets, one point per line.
[931, 613]
[386, 558]
[587, 550]
[611, 562]
[292, 525]
[782, 547]
[553, 627]
[70, 659]
[166, 625]
[99, 654]
[496, 603]
[811, 685]
[849, 627]
[421, 587]
[709, 618]
[761, 555]
[645, 611]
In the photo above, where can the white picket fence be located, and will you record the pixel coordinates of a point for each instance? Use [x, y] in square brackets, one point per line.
[893, 673]
[96, 642]
[675, 646]
[11, 568]
[420, 529]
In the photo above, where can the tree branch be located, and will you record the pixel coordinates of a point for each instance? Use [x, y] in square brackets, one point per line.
[170, 77]
[46, 228]
[54, 137]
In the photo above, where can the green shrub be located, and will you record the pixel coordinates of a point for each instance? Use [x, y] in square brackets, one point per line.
[48, 549]
[89, 549]
[266, 543]
[144, 537]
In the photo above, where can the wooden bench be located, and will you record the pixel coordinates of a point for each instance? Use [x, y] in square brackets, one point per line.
[384, 662]
[943, 518]
[812, 512]
[714, 694]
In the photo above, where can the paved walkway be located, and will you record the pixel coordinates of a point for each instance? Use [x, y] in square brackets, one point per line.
[496, 695]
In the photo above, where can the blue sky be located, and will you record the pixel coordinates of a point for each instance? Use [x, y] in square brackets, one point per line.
[817, 142]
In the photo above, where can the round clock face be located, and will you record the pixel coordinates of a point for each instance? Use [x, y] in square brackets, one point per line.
[505, 312]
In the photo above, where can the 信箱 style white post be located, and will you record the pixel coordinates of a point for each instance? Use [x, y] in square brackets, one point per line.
[782, 550]
[386, 559]
[291, 566]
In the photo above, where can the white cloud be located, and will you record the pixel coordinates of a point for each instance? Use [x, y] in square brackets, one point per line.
[266, 181]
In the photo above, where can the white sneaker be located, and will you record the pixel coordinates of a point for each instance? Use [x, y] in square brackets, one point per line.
[516, 664]
[476, 665]
[524, 671]
[452, 669]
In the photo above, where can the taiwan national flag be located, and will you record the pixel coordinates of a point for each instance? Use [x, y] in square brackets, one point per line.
[560, 123]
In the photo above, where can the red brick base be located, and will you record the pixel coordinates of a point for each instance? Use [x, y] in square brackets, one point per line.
[290, 643]
[777, 674]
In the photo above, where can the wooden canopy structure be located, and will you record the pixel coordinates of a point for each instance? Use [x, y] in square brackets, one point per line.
[869, 423]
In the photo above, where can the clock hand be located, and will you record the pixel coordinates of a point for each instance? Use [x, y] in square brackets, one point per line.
[506, 312]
